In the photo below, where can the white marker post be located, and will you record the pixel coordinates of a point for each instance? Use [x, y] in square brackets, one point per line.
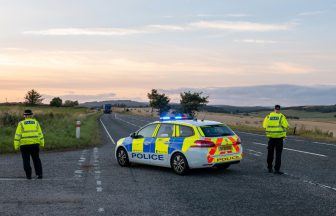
[78, 125]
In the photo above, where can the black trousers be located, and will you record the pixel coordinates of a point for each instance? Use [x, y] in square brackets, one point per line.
[277, 145]
[28, 151]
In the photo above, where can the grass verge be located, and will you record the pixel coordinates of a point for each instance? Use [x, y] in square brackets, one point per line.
[58, 125]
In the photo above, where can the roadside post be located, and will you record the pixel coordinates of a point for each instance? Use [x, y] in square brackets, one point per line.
[78, 125]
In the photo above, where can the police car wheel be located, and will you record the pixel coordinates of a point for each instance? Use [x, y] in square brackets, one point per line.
[179, 164]
[122, 157]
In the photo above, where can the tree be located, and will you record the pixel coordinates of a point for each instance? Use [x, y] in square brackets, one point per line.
[33, 98]
[192, 102]
[69, 103]
[56, 102]
[158, 101]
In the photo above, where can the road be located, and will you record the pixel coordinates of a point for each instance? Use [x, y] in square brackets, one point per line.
[90, 182]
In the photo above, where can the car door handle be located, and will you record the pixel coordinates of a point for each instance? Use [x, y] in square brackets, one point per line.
[147, 143]
[167, 142]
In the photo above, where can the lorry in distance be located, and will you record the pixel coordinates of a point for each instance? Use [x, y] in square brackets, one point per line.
[107, 108]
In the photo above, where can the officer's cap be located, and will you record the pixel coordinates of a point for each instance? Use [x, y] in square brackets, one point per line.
[28, 112]
[277, 107]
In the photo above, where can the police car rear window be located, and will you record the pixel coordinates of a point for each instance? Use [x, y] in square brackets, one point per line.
[216, 131]
[185, 131]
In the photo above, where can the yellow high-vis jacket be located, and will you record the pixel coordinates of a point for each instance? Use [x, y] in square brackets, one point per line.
[276, 125]
[28, 132]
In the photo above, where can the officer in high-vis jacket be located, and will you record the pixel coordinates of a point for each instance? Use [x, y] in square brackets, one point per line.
[276, 126]
[29, 138]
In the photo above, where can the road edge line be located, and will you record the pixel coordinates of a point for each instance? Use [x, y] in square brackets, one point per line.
[295, 150]
[109, 135]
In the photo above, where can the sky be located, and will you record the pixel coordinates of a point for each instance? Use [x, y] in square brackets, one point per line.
[101, 50]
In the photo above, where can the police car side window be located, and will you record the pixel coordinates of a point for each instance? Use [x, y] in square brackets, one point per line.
[147, 131]
[186, 131]
[166, 130]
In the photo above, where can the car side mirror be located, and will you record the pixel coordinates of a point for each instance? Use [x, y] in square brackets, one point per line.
[133, 135]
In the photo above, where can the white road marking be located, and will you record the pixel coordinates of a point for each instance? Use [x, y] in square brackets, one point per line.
[290, 138]
[254, 151]
[127, 122]
[251, 134]
[297, 140]
[295, 150]
[321, 143]
[138, 119]
[79, 171]
[99, 183]
[312, 182]
[44, 179]
[109, 135]
[101, 210]
[99, 189]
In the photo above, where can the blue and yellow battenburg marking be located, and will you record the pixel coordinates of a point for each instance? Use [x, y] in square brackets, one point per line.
[153, 145]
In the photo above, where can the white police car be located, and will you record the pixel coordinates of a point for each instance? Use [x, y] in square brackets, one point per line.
[181, 144]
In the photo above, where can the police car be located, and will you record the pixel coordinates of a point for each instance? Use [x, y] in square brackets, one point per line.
[182, 144]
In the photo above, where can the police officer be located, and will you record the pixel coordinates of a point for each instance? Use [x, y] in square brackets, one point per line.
[29, 138]
[276, 126]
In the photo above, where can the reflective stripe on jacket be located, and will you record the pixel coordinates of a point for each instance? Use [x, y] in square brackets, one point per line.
[276, 125]
[28, 132]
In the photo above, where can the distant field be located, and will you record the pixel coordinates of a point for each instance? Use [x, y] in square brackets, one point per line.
[315, 116]
[58, 125]
[315, 125]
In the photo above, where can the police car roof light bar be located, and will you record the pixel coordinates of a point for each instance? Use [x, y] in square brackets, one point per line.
[168, 118]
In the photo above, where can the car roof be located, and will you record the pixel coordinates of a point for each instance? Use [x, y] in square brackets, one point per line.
[196, 123]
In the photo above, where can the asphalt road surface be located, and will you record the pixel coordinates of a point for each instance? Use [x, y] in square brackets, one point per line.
[90, 182]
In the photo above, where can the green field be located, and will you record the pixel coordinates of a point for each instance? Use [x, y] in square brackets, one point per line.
[58, 125]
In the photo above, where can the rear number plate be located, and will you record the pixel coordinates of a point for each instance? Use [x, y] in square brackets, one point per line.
[225, 148]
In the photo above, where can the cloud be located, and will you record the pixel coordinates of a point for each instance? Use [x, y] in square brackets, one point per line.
[256, 41]
[167, 27]
[290, 68]
[241, 26]
[86, 31]
[83, 97]
[311, 13]
[155, 28]
[287, 95]
[224, 15]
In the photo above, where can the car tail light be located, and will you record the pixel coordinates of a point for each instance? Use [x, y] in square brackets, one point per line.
[203, 144]
[239, 141]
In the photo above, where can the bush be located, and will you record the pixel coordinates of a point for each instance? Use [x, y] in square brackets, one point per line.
[8, 119]
[56, 102]
[69, 103]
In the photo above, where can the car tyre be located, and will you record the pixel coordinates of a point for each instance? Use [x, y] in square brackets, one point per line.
[179, 164]
[122, 157]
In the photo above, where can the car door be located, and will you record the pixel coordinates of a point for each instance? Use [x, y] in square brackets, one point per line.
[183, 135]
[165, 132]
[143, 142]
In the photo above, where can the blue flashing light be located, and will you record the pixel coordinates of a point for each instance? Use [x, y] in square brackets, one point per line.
[167, 118]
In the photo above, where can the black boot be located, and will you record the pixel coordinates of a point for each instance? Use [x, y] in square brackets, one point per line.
[277, 172]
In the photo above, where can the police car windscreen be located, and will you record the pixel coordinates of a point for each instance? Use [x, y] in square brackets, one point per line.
[216, 131]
